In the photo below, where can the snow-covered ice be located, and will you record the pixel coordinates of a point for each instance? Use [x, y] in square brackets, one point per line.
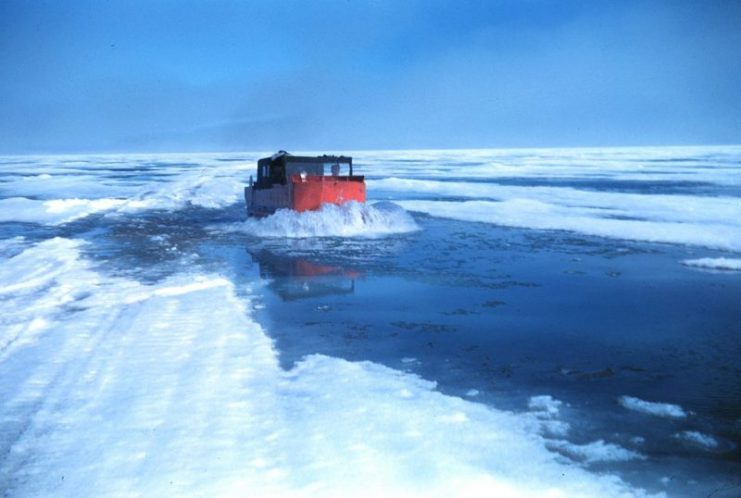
[545, 404]
[721, 232]
[652, 407]
[131, 363]
[116, 388]
[732, 264]
[597, 451]
[698, 438]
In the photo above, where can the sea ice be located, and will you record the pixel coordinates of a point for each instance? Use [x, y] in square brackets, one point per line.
[698, 438]
[545, 404]
[722, 233]
[597, 451]
[171, 389]
[715, 263]
[652, 408]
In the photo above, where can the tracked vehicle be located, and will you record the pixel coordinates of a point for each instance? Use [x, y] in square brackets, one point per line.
[302, 183]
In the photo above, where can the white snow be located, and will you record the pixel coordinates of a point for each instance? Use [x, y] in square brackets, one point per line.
[536, 214]
[656, 207]
[86, 185]
[348, 220]
[597, 451]
[53, 212]
[115, 388]
[704, 441]
[545, 404]
[652, 408]
[715, 263]
[711, 165]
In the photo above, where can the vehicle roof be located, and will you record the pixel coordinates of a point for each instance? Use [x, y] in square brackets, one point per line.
[288, 158]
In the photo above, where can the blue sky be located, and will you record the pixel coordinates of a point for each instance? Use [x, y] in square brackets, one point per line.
[337, 75]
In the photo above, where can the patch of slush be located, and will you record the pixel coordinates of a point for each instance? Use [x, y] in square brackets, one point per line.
[698, 439]
[728, 264]
[652, 408]
[529, 213]
[173, 390]
[351, 219]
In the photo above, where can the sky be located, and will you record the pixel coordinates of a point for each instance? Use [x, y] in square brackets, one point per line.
[159, 76]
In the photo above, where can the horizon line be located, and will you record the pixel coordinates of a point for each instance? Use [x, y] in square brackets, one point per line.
[410, 149]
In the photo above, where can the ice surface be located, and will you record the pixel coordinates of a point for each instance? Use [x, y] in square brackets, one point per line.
[11, 246]
[528, 213]
[172, 389]
[597, 451]
[53, 212]
[648, 206]
[73, 192]
[351, 219]
[709, 165]
[652, 408]
[699, 439]
[715, 263]
[112, 387]
[545, 404]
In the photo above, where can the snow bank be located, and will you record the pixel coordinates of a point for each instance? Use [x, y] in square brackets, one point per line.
[714, 263]
[172, 390]
[652, 408]
[528, 213]
[348, 220]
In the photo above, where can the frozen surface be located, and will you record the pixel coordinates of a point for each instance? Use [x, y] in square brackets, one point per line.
[545, 404]
[597, 451]
[698, 438]
[465, 333]
[715, 263]
[652, 407]
[720, 232]
[186, 397]
[55, 211]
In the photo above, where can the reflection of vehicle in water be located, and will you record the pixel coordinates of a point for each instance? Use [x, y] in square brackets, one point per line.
[302, 183]
[296, 278]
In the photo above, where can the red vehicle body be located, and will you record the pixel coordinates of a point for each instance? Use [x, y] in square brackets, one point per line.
[302, 183]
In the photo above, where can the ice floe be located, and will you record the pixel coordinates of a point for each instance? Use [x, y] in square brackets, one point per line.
[597, 451]
[729, 264]
[652, 408]
[545, 404]
[698, 439]
[528, 213]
